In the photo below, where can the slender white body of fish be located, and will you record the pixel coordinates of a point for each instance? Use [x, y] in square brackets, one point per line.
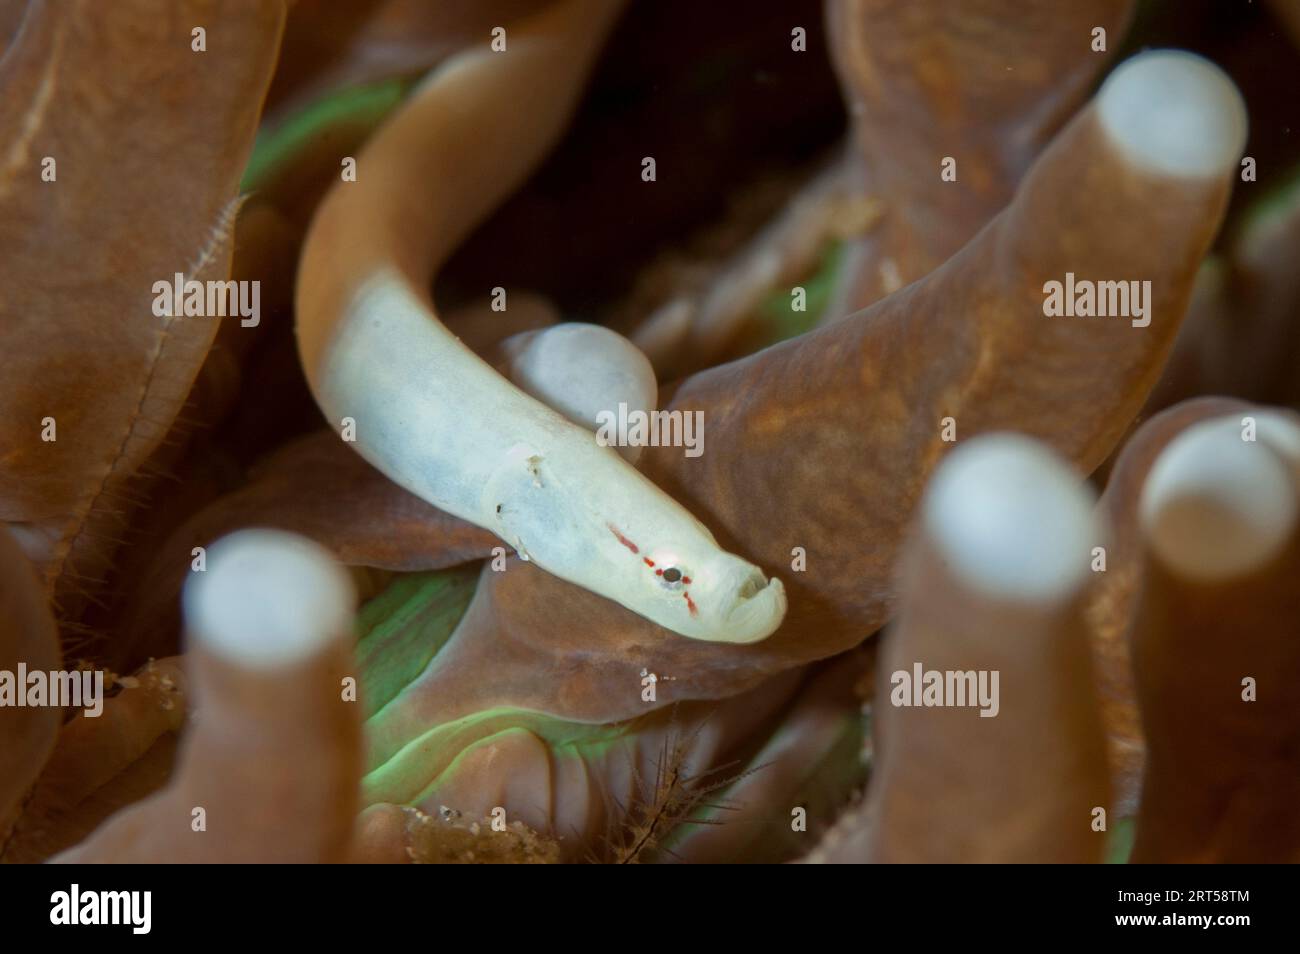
[437, 419]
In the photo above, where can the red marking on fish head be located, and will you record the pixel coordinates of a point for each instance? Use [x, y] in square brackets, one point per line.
[622, 539]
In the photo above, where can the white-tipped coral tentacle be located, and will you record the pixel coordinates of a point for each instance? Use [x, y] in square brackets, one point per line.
[269, 769]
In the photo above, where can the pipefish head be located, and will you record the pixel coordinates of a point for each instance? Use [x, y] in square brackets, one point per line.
[699, 590]
[632, 544]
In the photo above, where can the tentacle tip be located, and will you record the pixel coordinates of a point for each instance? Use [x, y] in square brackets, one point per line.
[1011, 519]
[268, 599]
[1216, 506]
[1175, 114]
[1281, 431]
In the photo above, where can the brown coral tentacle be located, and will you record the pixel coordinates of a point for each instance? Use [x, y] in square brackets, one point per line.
[988, 739]
[269, 770]
[984, 83]
[1216, 644]
[28, 637]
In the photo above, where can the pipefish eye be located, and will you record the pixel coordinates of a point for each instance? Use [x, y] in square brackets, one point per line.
[673, 577]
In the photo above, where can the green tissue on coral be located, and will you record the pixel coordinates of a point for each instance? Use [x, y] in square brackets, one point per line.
[400, 632]
[1119, 842]
[781, 321]
[362, 106]
[405, 626]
